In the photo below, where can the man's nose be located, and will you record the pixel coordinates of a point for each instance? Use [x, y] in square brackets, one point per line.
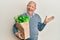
[29, 8]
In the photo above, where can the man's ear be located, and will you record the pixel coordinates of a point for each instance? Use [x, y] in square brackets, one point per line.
[27, 4]
[35, 8]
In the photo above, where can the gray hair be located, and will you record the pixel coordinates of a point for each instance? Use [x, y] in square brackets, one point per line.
[32, 2]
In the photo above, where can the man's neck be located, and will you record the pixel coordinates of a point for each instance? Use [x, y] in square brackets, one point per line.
[30, 14]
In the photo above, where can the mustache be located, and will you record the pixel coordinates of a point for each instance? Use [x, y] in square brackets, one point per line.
[29, 9]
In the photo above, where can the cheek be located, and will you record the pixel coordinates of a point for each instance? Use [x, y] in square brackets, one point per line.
[33, 9]
[28, 8]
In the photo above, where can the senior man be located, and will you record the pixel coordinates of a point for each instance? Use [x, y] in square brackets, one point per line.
[35, 23]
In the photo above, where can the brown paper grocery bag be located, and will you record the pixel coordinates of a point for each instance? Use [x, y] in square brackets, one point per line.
[24, 29]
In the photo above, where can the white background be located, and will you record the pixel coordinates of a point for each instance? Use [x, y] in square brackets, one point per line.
[11, 8]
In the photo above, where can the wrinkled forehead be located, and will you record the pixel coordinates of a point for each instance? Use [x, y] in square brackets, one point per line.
[32, 2]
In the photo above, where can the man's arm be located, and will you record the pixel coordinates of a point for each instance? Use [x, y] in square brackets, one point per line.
[15, 30]
[41, 26]
[46, 20]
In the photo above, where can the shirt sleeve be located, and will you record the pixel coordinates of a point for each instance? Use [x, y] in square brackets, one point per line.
[40, 24]
[15, 30]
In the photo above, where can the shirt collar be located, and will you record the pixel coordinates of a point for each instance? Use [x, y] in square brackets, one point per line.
[29, 15]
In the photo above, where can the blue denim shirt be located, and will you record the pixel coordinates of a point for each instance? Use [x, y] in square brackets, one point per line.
[35, 25]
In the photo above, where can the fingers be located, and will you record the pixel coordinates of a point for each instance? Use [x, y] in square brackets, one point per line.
[48, 19]
[51, 18]
[45, 17]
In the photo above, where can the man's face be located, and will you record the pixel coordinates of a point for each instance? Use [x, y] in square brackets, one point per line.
[31, 7]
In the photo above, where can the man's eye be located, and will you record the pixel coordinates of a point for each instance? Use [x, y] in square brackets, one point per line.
[32, 7]
[28, 5]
